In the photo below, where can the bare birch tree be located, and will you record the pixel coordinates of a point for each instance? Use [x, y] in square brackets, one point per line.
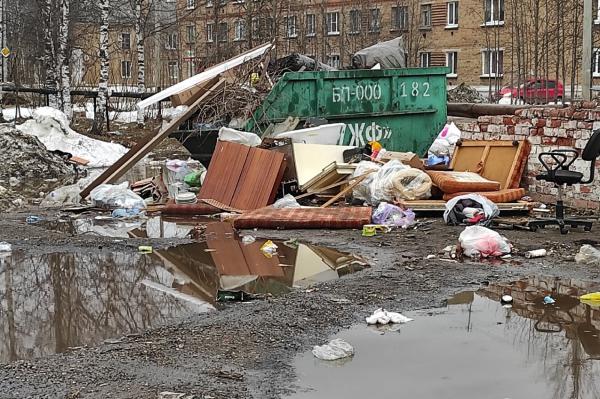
[49, 52]
[100, 116]
[63, 60]
[141, 62]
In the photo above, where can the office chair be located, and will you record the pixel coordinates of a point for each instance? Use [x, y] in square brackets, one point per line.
[558, 172]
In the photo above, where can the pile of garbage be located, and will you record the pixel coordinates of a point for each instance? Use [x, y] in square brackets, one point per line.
[24, 156]
[464, 93]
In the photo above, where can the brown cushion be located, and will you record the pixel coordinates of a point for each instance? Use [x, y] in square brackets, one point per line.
[457, 182]
[499, 197]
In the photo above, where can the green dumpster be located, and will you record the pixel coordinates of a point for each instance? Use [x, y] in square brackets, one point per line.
[403, 109]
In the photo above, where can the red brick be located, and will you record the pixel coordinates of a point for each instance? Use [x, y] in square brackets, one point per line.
[508, 121]
[585, 189]
[568, 112]
[565, 141]
[555, 113]
[510, 129]
[483, 127]
[538, 122]
[548, 140]
[588, 105]
[554, 123]
[585, 125]
[580, 115]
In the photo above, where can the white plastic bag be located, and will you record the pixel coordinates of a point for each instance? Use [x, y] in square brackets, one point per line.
[383, 317]
[236, 136]
[588, 255]
[116, 196]
[288, 201]
[479, 241]
[445, 141]
[66, 195]
[409, 184]
[490, 209]
[334, 350]
[363, 190]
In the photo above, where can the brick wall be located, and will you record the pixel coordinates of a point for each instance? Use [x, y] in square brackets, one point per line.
[546, 129]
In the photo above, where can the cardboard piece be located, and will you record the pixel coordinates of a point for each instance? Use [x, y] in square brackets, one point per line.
[408, 158]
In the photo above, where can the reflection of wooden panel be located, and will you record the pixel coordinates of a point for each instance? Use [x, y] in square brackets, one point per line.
[258, 263]
[500, 161]
[227, 254]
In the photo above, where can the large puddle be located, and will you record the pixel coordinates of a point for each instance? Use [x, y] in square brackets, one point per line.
[53, 302]
[474, 348]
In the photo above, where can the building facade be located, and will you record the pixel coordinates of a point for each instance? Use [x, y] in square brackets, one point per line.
[484, 43]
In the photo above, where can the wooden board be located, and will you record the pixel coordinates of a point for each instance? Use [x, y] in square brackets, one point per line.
[500, 161]
[188, 97]
[311, 159]
[147, 144]
[440, 206]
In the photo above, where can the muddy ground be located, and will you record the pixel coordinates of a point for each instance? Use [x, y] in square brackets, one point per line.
[246, 350]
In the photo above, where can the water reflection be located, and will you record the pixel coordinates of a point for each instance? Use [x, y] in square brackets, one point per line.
[52, 302]
[474, 348]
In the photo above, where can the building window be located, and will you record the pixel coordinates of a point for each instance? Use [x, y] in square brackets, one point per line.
[494, 12]
[171, 41]
[209, 3]
[190, 4]
[125, 41]
[492, 63]
[333, 23]
[375, 20]
[190, 58]
[425, 15]
[191, 33]
[596, 63]
[333, 60]
[290, 26]
[452, 21]
[173, 67]
[223, 32]
[210, 33]
[126, 69]
[400, 18]
[452, 63]
[240, 30]
[311, 25]
[354, 21]
[425, 60]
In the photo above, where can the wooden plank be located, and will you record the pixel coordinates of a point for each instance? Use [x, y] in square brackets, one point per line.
[207, 74]
[346, 190]
[134, 155]
[440, 206]
[322, 189]
[188, 97]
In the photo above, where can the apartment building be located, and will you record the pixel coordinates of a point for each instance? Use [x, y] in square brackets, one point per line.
[484, 43]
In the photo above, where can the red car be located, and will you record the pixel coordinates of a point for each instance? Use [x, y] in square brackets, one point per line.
[536, 90]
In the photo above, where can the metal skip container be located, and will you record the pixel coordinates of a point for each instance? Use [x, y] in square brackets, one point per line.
[403, 109]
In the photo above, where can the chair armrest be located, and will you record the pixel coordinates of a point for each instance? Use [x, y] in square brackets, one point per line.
[568, 151]
[559, 157]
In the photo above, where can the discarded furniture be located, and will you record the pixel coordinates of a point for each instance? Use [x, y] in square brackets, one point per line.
[403, 109]
[503, 161]
[456, 182]
[440, 206]
[557, 165]
[305, 218]
[239, 178]
[500, 196]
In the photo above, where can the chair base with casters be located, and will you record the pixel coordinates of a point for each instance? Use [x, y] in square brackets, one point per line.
[563, 223]
[557, 165]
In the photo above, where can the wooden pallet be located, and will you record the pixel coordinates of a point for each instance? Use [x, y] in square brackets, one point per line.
[440, 206]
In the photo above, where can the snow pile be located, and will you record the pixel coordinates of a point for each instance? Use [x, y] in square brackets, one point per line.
[24, 156]
[51, 127]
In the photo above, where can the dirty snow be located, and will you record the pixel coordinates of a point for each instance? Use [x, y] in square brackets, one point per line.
[51, 127]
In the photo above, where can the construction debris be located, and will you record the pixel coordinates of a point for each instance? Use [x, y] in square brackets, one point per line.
[464, 93]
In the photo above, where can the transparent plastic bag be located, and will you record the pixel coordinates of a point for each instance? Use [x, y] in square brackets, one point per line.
[363, 190]
[479, 241]
[392, 215]
[409, 184]
[288, 201]
[116, 196]
[588, 255]
[334, 350]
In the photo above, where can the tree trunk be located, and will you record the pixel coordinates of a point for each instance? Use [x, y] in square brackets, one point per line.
[49, 53]
[141, 71]
[63, 60]
[100, 116]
